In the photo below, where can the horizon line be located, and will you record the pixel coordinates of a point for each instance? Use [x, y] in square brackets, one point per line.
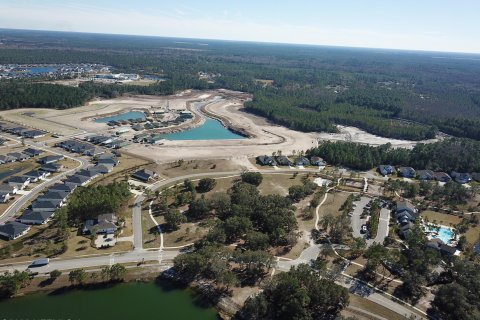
[251, 41]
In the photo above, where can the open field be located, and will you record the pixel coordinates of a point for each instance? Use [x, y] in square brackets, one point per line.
[333, 203]
[440, 218]
[80, 245]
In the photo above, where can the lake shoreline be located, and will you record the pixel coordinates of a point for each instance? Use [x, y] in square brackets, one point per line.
[61, 286]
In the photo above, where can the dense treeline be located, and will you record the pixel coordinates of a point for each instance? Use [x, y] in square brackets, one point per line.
[21, 94]
[305, 112]
[300, 293]
[459, 299]
[89, 202]
[454, 154]
[312, 88]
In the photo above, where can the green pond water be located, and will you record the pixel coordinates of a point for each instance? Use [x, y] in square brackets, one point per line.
[210, 130]
[129, 301]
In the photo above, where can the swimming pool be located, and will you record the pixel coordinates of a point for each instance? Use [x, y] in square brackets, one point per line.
[445, 234]
[123, 116]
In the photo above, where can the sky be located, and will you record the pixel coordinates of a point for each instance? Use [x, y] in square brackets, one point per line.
[433, 25]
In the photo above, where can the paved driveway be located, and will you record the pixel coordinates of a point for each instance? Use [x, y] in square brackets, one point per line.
[357, 222]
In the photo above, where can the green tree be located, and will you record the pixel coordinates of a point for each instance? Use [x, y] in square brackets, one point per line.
[11, 282]
[206, 184]
[54, 274]
[77, 276]
[297, 294]
[254, 178]
[117, 272]
[174, 218]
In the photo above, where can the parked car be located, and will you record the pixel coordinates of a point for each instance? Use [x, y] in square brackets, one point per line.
[363, 229]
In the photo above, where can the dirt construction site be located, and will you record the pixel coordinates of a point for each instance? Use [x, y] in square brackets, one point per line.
[226, 106]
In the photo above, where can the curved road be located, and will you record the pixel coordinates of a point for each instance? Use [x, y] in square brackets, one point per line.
[24, 199]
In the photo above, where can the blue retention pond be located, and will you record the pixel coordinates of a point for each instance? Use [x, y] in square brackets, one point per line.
[210, 130]
[131, 115]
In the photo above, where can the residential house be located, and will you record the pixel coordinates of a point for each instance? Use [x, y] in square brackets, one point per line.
[89, 173]
[461, 177]
[17, 130]
[32, 152]
[13, 230]
[441, 176]
[405, 211]
[44, 205]
[442, 247]
[284, 161]
[105, 223]
[144, 175]
[425, 175]
[102, 169]
[108, 162]
[50, 159]
[77, 180]
[61, 187]
[21, 182]
[54, 196]
[4, 196]
[36, 175]
[317, 161]
[51, 167]
[406, 172]
[7, 159]
[19, 156]
[35, 217]
[9, 189]
[386, 169]
[93, 151]
[33, 134]
[302, 161]
[266, 161]
[405, 229]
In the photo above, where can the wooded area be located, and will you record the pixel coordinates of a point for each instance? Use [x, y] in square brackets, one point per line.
[462, 155]
[394, 94]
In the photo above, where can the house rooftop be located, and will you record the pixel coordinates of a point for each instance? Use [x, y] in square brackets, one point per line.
[13, 228]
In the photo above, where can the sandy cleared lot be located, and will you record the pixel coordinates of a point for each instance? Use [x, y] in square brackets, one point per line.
[357, 135]
[265, 138]
[78, 120]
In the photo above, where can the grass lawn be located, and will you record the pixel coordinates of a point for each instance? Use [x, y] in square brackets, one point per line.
[175, 169]
[473, 234]
[333, 203]
[440, 218]
[150, 237]
[362, 303]
[80, 245]
[278, 183]
[182, 236]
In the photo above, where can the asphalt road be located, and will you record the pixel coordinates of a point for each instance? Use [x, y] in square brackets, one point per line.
[20, 202]
[95, 261]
